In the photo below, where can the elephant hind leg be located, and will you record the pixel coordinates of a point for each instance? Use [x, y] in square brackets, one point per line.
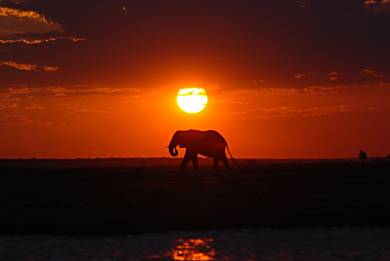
[185, 161]
[225, 161]
[215, 162]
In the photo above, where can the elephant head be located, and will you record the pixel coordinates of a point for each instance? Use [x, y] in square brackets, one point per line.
[178, 139]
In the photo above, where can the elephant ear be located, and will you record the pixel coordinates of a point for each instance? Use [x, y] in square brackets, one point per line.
[185, 143]
[182, 139]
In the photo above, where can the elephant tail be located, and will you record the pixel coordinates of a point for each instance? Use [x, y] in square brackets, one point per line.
[231, 156]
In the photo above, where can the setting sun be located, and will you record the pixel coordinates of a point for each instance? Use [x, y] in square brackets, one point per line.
[192, 100]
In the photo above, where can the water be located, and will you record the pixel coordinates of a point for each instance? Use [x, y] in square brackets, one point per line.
[265, 244]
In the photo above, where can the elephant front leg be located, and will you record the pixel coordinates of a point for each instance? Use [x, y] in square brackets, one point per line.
[186, 159]
[194, 158]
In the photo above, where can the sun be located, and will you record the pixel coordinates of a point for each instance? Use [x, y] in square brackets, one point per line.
[192, 100]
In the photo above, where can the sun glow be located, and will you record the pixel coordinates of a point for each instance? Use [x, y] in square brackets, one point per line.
[194, 249]
[192, 100]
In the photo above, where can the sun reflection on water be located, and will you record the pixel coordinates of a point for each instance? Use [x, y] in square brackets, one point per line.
[194, 249]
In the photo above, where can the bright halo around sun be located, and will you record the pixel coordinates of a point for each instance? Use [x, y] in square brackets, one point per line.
[192, 100]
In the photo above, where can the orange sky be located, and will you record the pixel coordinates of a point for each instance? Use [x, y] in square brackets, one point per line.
[97, 121]
[286, 79]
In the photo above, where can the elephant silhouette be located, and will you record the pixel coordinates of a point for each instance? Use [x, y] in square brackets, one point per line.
[206, 143]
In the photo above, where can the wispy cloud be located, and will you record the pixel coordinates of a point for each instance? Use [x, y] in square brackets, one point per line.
[301, 76]
[8, 105]
[371, 73]
[23, 120]
[304, 3]
[314, 90]
[68, 91]
[16, 91]
[287, 111]
[61, 91]
[89, 111]
[28, 67]
[16, 21]
[20, 66]
[28, 41]
[50, 68]
[333, 76]
[34, 107]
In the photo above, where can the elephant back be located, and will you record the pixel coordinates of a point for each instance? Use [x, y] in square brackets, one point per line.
[215, 136]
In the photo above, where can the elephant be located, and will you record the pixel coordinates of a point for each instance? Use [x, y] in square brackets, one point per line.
[207, 143]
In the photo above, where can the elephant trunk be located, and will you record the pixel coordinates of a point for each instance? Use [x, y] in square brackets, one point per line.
[173, 150]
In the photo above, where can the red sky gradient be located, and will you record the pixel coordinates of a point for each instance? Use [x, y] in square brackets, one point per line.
[261, 123]
[285, 79]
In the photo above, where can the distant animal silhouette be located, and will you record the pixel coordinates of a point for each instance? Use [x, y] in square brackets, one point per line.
[362, 155]
[207, 143]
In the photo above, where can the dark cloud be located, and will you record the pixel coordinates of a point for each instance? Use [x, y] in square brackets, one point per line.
[28, 67]
[16, 2]
[377, 6]
[17, 21]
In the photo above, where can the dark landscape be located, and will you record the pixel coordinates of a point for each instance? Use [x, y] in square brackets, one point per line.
[128, 196]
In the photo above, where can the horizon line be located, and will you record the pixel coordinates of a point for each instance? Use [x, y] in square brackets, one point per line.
[171, 158]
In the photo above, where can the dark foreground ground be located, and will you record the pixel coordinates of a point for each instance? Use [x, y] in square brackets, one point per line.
[122, 196]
